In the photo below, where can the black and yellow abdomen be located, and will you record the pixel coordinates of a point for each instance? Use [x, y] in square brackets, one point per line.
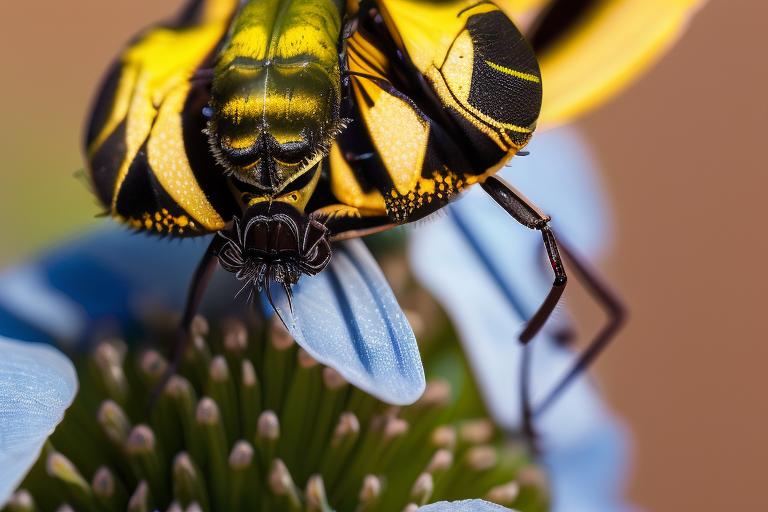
[275, 95]
[242, 103]
[260, 78]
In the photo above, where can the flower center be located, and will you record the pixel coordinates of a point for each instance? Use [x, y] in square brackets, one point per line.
[251, 422]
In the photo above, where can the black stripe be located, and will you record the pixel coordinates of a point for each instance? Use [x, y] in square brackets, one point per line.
[106, 163]
[505, 98]
[485, 152]
[102, 107]
[190, 14]
[141, 193]
[209, 175]
[556, 20]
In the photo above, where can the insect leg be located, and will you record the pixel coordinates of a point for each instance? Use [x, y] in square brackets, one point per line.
[200, 281]
[614, 307]
[524, 212]
[527, 214]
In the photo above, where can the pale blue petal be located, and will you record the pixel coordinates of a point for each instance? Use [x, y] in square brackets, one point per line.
[488, 326]
[37, 384]
[560, 177]
[110, 275]
[589, 476]
[490, 274]
[347, 317]
[27, 294]
[115, 274]
[463, 506]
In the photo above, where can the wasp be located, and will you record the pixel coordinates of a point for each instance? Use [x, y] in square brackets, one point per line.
[285, 125]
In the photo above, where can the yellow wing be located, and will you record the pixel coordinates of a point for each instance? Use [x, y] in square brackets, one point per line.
[590, 50]
[135, 145]
[441, 95]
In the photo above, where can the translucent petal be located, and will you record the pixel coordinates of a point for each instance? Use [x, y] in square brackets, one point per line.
[589, 476]
[118, 275]
[26, 293]
[488, 316]
[463, 506]
[347, 317]
[37, 383]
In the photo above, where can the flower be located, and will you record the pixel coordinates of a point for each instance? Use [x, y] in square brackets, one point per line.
[350, 319]
[580, 68]
[253, 422]
[37, 383]
[463, 506]
[117, 275]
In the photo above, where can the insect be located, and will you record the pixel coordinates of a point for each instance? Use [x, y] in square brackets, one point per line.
[284, 125]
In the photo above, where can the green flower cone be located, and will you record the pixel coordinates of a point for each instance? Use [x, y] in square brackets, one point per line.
[252, 423]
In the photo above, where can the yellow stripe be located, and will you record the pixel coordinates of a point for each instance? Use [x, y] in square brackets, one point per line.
[512, 72]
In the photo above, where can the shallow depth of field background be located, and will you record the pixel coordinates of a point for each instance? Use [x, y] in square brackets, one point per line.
[682, 157]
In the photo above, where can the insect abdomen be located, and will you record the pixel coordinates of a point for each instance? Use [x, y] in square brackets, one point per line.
[275, 97]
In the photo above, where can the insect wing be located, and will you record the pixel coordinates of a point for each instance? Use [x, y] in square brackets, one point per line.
[477, 62]
[347, 317]
[443, 95]
[135, 143]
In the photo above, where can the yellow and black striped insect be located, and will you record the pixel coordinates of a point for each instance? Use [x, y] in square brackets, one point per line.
[284, 125]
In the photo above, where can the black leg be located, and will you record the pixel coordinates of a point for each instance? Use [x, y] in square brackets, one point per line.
[200, 281]
[529, 433]
[524, 212]
[614, 307]
[528, 215]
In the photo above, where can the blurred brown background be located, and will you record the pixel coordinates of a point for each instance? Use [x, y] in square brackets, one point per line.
[681, 153]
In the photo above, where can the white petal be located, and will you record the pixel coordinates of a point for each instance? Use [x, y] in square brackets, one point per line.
[37, 384]
[347, 317]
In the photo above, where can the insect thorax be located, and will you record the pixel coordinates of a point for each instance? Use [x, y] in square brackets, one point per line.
[274, 108]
